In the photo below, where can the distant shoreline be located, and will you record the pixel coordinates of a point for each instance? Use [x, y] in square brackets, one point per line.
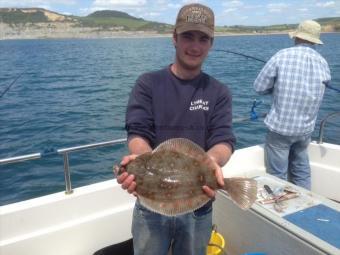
[135, 35]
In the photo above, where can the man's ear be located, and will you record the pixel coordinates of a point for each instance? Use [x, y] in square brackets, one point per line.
[174, 38]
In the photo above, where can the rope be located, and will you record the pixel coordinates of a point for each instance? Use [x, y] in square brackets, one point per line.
[10, 85]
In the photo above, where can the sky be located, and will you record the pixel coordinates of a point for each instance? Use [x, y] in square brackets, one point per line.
[245, 12]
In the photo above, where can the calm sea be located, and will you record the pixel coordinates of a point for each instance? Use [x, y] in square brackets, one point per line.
[74, 92]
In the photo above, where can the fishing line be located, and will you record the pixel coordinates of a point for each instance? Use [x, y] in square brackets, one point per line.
[10, 85]
[333, 88]
[263, 61]
[241, 54]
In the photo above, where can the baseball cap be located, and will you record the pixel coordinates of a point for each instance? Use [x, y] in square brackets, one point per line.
[195, 17]
[308, 30]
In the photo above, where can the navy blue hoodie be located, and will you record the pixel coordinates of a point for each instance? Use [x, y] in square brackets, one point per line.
[162, 106]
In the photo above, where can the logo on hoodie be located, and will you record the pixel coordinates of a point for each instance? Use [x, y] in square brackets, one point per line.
[199, 104]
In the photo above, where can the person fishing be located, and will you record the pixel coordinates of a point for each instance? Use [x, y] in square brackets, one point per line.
[296, 78]
[179, 101]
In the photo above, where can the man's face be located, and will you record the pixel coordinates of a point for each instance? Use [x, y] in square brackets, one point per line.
[192, 47]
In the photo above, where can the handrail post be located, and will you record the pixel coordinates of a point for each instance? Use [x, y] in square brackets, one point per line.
[64, 152]
[68, 189]
[322, 125]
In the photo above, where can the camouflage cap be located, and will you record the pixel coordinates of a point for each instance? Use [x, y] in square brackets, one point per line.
[195, 17]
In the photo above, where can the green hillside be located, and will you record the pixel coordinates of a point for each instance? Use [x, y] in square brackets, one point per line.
[15, 16]
[121, 21]
[328, 25]
[103, 20]
[110, 14]
[107, 19]
[332, 23]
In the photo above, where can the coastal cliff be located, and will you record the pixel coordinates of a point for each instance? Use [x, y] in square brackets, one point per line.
[35, 23]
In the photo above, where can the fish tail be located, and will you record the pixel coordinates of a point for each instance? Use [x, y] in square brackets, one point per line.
[243, 191]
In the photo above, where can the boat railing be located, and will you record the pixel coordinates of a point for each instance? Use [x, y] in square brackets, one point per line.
[323, 123]
[65, 153]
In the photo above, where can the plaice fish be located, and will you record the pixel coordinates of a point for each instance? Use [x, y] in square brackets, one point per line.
[170, 178]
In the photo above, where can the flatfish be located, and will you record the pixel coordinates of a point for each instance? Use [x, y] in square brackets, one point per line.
[170, 178]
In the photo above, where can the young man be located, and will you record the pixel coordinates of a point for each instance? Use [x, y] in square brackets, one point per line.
[179, 101]
[296, 78]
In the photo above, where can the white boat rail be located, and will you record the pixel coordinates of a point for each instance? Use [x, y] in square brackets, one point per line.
[65, 152]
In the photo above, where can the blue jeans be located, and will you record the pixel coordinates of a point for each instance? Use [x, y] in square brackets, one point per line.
[188, 234]
[287, 158]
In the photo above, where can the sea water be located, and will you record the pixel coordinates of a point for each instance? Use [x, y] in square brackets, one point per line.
[74, 92]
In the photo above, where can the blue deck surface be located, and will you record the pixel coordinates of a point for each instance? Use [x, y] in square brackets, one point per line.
[319, 220]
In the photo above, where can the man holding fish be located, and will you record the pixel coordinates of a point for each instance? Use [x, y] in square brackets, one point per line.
[179, 124]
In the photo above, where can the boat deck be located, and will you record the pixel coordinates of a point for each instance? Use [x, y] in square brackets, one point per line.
[309, 224]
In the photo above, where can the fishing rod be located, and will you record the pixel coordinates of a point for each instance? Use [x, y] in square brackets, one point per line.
[333, 88]
[263, 61]
[10, 85]
[241, 54]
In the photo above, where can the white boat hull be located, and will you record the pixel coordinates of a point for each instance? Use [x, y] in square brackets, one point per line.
[98, 215]
[81, 223]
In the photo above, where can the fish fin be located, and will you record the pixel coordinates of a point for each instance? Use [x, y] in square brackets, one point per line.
[181, 145]
[243, 191]
[186, 147]
[177, 207]
[118, 170]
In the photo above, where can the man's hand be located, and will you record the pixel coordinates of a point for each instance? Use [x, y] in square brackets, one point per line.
[219, 177]
[127, 181]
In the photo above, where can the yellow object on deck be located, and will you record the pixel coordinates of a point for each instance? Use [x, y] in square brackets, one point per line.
[216, 243]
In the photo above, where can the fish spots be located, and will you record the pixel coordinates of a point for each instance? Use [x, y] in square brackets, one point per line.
[170, 179]
[201, 179]
[168, 186]
[150, 195]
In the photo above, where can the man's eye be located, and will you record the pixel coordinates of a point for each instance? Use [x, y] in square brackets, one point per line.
[187, 36]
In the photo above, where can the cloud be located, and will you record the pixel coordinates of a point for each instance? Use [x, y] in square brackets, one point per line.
[189, 2]
[326, 4]
[175, 6]
[277, 7]
[114, 3]
[233, 4]
[162, 2]
[229, 10]
[153, 14]
[34, 3]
